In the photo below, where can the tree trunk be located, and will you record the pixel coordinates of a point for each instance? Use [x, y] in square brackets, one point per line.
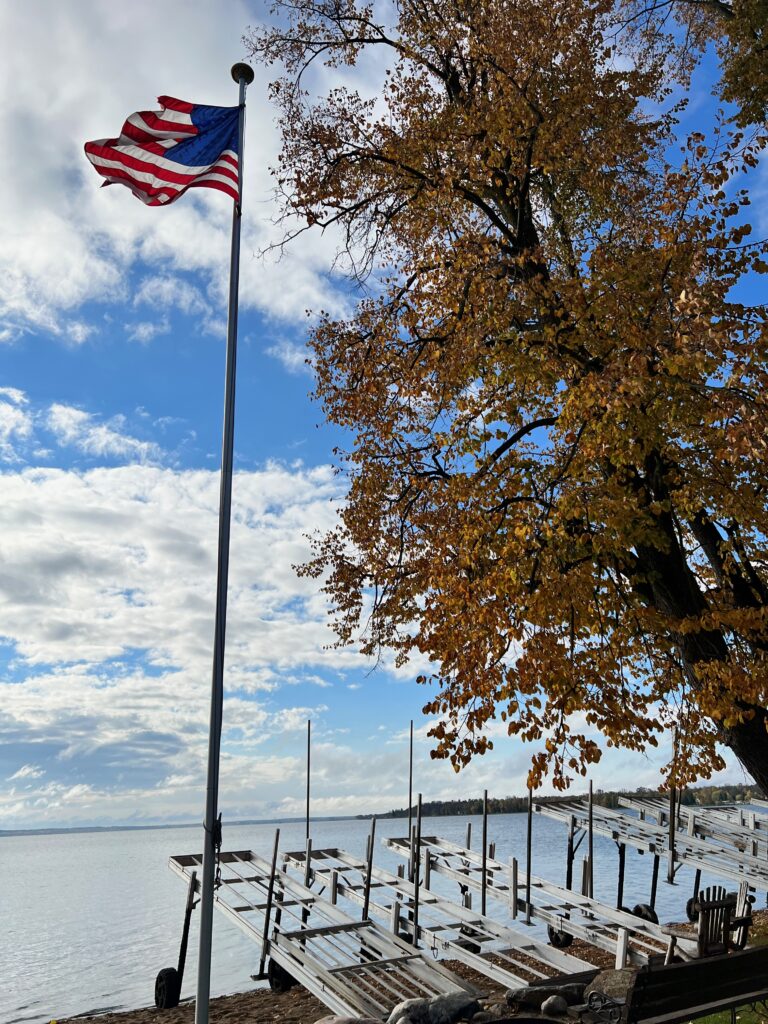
[668, 582]
[749, 742]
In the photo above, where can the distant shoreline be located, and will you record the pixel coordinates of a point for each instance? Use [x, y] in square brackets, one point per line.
[77, 829]
[698, 795]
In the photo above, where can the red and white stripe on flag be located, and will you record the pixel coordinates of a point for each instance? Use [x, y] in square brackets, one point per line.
[160, 154]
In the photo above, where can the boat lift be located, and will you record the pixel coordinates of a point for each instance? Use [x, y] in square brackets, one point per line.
[746, 831]
[717, 855]
[504, 955]
[355, 967]
[631, 937]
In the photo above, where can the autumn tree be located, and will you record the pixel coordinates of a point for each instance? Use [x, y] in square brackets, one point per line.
[553, 382]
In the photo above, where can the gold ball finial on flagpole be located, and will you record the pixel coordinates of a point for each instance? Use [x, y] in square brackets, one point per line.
[242, 71]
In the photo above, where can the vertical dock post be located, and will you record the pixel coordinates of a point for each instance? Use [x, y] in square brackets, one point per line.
[484, 859]
[513, 887]
[671, 841]
[369, 870]
[620, 890]
[334, 886]
[590, 846]
[528, 843]
[622, 941]
[185, 930]
[309, 742]
[654, 880]
[410, 782]
[307, 879]
[268, 909]
[585, 876]
[569, 853]
[468, 840]
[696, 883]
[417, 872]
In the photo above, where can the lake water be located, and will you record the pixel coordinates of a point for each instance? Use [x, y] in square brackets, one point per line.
[88, 919]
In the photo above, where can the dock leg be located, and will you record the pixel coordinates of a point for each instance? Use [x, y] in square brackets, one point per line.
[513, 887]
[654, 880]
[185, 930]
[620, 890]
[528, 845]
[484, 854]
[570, 854]
[590, 840]
[671, 841]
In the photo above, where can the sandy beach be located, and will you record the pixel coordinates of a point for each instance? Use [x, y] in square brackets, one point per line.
[294, 1007]
[299, 1007]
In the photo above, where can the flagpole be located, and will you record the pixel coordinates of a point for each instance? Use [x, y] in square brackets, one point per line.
[243, 75]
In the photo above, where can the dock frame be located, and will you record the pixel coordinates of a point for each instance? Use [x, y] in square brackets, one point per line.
[443, 926]
[355, 967]
[630, 938]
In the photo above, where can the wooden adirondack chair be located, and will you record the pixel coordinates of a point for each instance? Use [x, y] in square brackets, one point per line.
[722, 925]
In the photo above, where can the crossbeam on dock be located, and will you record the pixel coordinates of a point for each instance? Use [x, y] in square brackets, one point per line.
[443, 926]
[712, 854]
[627, 936]
[356, 968]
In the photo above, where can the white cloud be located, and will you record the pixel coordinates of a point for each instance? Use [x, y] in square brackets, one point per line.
[15, 395]
[78, 428]
[293, 357]
[27, 771]
[146, 330]
[15, 425]
[165, 291]
[65, 241]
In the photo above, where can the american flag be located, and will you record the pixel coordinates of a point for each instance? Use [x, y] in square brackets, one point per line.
[162, 153]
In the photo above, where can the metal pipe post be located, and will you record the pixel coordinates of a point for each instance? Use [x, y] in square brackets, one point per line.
[309, 747]
[528, 844]
[569, 854]
[620, 889]
[672, 822]
[484, 860]
[191, 893]
[416, 874]
[410, 781]
[590, 847]
[654, 880]
[268, 909]
[243, 75]
[369, 871]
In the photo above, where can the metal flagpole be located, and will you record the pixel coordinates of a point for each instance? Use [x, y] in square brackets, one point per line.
[243, 75]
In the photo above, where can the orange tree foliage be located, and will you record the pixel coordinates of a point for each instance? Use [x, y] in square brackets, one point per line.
[554, 389]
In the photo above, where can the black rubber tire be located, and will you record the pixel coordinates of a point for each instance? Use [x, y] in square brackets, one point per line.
[560, 940]
[167, 989]
[690, 911]
[646, 912]
[624, 910]
[279, 979]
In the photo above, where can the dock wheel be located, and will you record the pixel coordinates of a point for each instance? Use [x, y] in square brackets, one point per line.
[646, 912]
[279, 979]
[558, 939]
[690, 909]
[167, 989]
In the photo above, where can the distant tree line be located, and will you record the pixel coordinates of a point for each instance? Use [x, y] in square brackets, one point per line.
[701, 795]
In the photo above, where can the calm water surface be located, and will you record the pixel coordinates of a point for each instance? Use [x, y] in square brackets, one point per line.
[88, 919]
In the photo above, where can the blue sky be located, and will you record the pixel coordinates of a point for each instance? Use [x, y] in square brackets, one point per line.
[112, 322]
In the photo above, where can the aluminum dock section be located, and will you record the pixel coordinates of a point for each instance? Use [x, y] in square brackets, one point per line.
[716, 855]
[505, 955]
[632, 939]
[355, 967]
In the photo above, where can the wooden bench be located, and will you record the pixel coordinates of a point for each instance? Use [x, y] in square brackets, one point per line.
[672, 993]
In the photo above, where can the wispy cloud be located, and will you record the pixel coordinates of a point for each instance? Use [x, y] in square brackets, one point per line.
[75, 427]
